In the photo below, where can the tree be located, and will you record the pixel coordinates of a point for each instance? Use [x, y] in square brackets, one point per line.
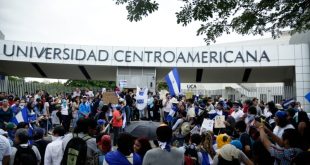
[245, 17]
[90, 83]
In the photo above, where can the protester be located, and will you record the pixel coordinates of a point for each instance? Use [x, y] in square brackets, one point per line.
[165, 154]
[290, 143]
[83, 133]
[141, 146]
[304, 130]
[39, 142]
[84, 109]
[23, 153]
[54, 151]
[124, 154]
[6, 113]
[5, 149]
[104, 145]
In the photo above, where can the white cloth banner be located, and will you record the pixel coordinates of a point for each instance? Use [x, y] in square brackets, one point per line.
[141, 98]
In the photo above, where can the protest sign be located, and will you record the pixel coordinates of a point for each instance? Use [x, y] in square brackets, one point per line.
[110, 97]
[219, 122]
[207, 125]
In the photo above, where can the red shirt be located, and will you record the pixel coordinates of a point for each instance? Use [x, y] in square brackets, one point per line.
[115, 122]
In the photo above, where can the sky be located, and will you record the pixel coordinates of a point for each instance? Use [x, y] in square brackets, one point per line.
[99, 22]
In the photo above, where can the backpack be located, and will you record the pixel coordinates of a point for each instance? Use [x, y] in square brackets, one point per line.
[76, 151]
[191, 155]
[25, 156]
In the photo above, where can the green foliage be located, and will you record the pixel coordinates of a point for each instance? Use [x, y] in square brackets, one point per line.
[162, 85]
[138, 8]
[15, 78]
[241, 16]
[91, 83]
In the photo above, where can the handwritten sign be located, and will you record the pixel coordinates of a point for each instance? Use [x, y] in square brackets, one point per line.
[207, 125]
[110, 97]
[219, 122]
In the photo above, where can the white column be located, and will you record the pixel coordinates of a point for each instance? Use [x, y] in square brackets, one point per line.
[302, 71]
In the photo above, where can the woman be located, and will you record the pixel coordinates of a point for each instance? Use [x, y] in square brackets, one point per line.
[75, 110]
[65, 120]
[141, 146]
[206, 148]
[117, 123]
[32, 118]
[41, 114]
[304, 130]
[6, 113]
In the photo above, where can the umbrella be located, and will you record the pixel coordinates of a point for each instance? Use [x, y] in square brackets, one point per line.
[145, 129]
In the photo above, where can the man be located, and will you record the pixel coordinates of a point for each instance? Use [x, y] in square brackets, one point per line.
[5, 150]
[210, 106]
[256, 104]
[164, 154]
[54, 152]
[39, 142]
[84, 109]
[24, 154]
[167, 106]
[124, 154]
[85, 129]
[15, 107]
[244, 137]
[237, 113]
[290, 142]
[76, 93]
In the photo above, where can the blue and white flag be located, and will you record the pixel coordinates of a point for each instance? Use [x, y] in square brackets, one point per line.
[308, 96]
[171, 114]
[21, 116]
[141, 98]
[287, 102]
[173, 82]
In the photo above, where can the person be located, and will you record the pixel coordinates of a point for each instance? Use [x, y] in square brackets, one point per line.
[117, 123]
[237, 113]
[76, 93]
[206, 147]
[5, 150]
[54, 152]
[22, 153]
[150, 106]
[65, 120]
[123, 154]
[281, 125]
[192, 155]
[15, 107]
[304, 129]
[244, 137]
[6, 113]
[39, 142]
[75, 110]
[84, 109]
[256, 105]
[85, 129]
[229, 154]
[164, 154]
[141, 146]
[167, 106]
[290, 140]
[104, 144]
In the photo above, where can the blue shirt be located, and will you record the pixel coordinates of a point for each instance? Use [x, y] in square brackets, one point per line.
[84, 109]
[117, 158]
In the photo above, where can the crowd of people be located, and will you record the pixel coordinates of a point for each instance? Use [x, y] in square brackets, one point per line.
[83, 128]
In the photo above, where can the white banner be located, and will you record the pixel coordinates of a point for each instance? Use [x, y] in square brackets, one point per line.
[141, 98]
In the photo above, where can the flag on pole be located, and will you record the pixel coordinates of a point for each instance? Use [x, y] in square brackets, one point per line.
[287, 102]
[173, 82]
[308, 96]
[21, 116]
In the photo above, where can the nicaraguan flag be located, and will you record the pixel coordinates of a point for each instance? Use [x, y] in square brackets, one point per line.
[287, 102]
[308, 96]
[21, 116]
[171, 114]
[173, 82]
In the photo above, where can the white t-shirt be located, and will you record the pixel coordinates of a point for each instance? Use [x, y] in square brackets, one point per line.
[5, 148]
[64, 110]
[279, 131]
[191, 112]
[89, 93]
[54, 152]
[237, 115]
[168, 106]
